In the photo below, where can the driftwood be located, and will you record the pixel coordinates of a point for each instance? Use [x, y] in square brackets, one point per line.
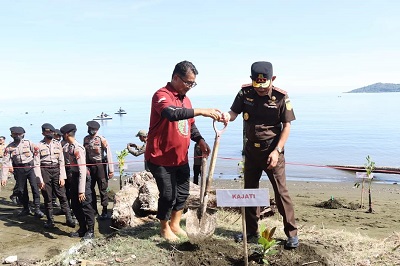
[135, 201]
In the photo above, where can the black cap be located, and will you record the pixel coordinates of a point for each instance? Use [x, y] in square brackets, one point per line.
[68, 128]
[48, 127]
[18, 130]
[57, 131]
[261, 70]
[93, 124]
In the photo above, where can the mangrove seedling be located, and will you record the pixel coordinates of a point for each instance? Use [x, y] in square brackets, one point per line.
[121, 164]
[268, 244]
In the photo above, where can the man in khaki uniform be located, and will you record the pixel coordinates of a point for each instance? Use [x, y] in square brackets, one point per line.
[20, 155]
[80, 192]
[52, 166]
[99, 159]
[267, 114]
[136, 150]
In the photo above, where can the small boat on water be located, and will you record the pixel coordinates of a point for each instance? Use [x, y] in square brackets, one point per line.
[103, 116]
[120, 112]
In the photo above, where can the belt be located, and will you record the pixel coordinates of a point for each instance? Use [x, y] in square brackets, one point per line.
[51, 166]
[24, 164]
[260, 144]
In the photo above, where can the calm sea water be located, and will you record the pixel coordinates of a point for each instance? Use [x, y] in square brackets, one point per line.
[334, 128]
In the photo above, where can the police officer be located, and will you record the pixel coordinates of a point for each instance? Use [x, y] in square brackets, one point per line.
[52, 167]
[57, 136]
[136, 150]
[81, 197]
[98, 158]
[267, 113]
[20, 155]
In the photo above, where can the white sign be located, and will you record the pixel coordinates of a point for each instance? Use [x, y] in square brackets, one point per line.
[242, 197]
[364, 175]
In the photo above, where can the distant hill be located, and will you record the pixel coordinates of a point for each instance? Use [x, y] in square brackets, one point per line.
[378, 87]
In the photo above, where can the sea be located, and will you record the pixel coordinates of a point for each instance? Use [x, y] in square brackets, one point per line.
[330, 129]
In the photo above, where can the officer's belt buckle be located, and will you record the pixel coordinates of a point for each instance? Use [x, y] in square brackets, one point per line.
[257, 145]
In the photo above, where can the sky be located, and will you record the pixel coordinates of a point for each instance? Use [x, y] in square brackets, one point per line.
[130, 48]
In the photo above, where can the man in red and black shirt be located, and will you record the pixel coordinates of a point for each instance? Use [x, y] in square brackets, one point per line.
[171, 129]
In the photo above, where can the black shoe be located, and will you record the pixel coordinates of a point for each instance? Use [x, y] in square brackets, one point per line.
[49, 224]
[14, 199]
[70, 222]
[292, 242]
[55, 204]
[25, 212]
[78, 233]
[38, 213]
[88, 235]
[103, 215]
[252, 238]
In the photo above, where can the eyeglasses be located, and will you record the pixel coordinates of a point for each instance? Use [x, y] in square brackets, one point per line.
[188, 83]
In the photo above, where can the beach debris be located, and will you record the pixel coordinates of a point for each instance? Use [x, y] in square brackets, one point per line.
[11, 259]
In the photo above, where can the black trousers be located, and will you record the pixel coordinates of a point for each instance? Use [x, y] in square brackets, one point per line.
[98, 175]
[83, 211]
[22, 175]
[173, 184]
[51, 178]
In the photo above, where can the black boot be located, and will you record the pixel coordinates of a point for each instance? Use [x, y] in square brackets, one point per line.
[50, 220]
[68, 218]
[89, 234]
[25, 211]
[104, 214]
[38, 213]
[80, 233]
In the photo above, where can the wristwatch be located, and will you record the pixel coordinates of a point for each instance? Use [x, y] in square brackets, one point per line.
[279, 150]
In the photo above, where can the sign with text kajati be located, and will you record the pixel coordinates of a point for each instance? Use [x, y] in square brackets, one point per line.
[242, 197]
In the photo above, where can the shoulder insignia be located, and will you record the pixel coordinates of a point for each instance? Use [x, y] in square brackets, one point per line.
[246, 85]
[279, 90]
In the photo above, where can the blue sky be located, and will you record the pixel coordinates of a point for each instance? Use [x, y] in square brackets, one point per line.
[130, 47]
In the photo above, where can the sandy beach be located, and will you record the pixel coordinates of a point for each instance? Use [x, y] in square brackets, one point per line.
[26, 237]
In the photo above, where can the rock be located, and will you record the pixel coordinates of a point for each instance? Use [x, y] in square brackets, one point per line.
[11, 259]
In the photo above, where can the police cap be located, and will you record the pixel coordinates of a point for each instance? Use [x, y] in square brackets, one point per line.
[18, 130]
[261, 70]
[141, 133]
[58, 132]
[68, 128]
[48, 127]
[93, 124]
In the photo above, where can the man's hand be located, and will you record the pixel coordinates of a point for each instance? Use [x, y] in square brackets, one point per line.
[225, 118]
[81, 197]
[61, 182]
[272, 160]
[41, 186]
[3, 183]
[110, 175]
[205, 149]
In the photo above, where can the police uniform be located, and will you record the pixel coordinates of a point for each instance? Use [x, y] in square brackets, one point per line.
[98, 158]
[52, 168]
[20, 156]
[75, 155]
[136, 151]
[263, 117]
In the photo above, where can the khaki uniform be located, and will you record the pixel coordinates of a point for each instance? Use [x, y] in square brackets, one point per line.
[79, 183]
[51, 160]
[263, 118]
[136, 151]
[21, 156]
[99, 159]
